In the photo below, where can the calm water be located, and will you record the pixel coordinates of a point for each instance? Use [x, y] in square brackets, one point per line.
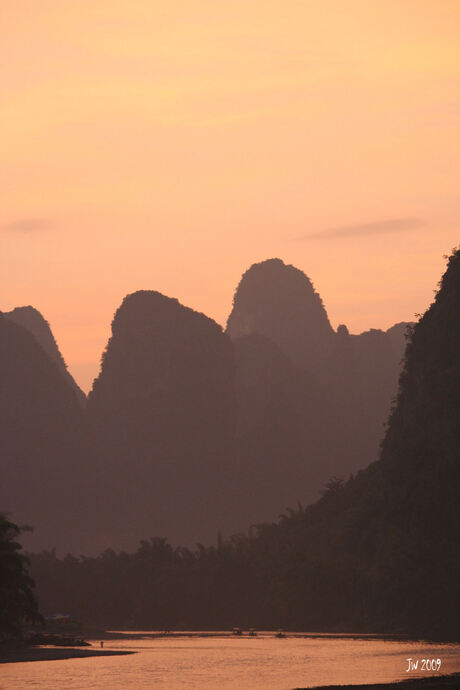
[233, 663]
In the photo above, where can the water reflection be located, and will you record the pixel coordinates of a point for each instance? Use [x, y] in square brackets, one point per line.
[231, 662]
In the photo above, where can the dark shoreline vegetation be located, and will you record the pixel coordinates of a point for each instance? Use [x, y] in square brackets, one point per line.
[18, 605]
[431, 683]
[378, 552]
[22, 654]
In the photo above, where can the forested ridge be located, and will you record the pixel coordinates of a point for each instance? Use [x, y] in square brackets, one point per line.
[378, 552]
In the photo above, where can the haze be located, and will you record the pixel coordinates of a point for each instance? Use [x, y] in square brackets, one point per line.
[170, 145]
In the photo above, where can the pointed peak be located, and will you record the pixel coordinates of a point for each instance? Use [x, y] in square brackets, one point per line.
[33, 321]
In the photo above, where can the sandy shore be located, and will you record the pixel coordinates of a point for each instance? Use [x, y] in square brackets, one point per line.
[450, 682]
[52, 653]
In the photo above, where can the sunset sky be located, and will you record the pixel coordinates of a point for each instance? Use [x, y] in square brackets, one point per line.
[170, 144]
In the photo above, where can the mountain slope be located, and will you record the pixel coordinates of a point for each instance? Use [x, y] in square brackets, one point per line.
[40, 440]
[354, 376]
[382, 551]
[162, 413]
[284, 448]
[378, 553]
[31, 319]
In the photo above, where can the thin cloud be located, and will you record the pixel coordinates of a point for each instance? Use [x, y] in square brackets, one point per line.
[27, 225]
[394, 225]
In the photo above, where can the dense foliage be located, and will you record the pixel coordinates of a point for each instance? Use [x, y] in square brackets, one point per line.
[17, 601]
[378, 552]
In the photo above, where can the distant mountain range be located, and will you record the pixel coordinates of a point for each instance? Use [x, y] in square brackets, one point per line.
[189, 430]
[377, 553]
[312, 401]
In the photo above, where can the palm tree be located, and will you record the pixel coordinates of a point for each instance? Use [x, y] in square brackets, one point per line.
[17, 601]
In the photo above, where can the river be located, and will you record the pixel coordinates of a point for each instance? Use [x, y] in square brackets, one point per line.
[226, 662]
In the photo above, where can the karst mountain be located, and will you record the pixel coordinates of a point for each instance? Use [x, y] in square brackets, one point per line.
[313, 401]
[31, 319]
[377, 553]
[162, 415]
[41, 436]
[189, 430]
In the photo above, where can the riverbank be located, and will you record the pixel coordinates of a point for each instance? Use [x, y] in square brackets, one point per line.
[450, 682]
[21, 654]
[115, 634]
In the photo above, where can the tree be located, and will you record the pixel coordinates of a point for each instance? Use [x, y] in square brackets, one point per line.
[17, 601]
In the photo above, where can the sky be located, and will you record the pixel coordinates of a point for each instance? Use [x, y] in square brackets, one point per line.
[170, 144]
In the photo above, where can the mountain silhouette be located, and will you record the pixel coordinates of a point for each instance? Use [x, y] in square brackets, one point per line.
[284, 418]
[361, 380]
[31, 319]
[392, 533]
[367, 553]
[162, 414]
[378, 553]
[279, 301]
[354, 376]
[188, 430]
[40, 439]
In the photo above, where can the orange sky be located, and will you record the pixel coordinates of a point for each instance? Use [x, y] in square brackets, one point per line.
[169, 144]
